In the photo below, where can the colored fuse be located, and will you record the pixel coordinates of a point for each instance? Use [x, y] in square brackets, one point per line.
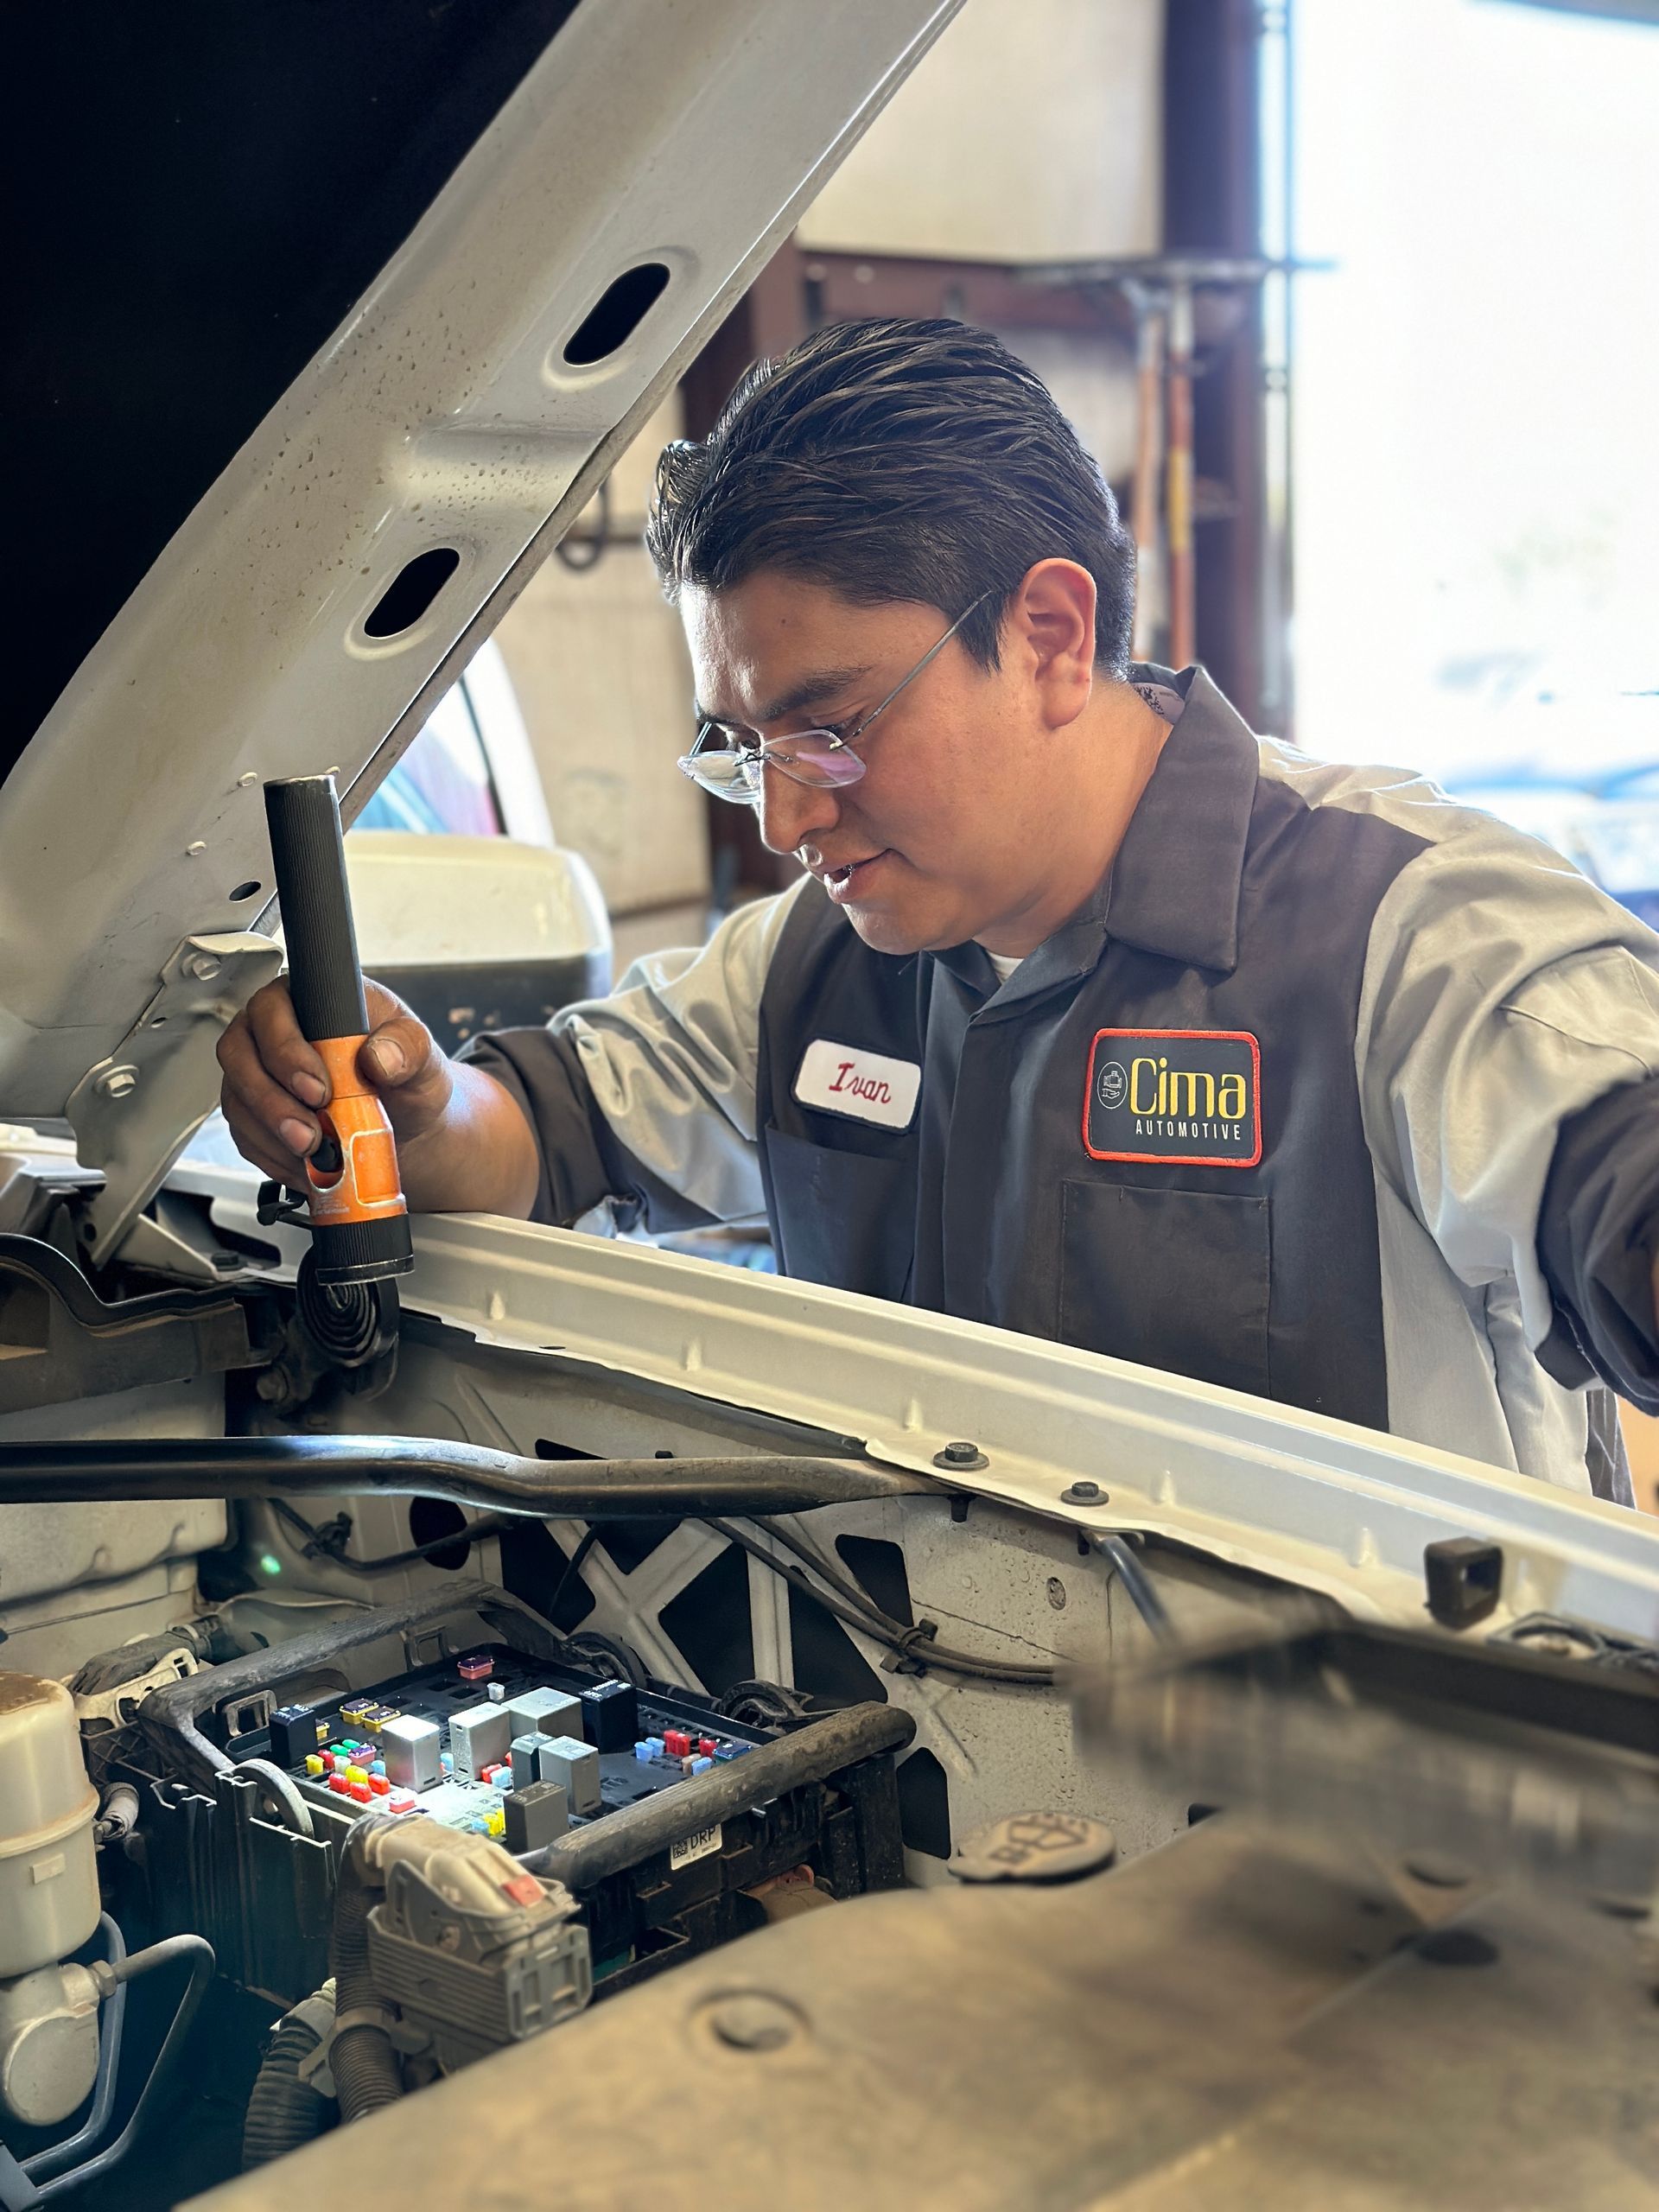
[361, 1791]
[352, 1714]
[489, 1772]
[339, 1784]
[380, 1785]
[476, 1827]
[706, 1745]
[495, 1822]
[376, 1766]
[689, 1764]
[314, 1765]
[356, 1774]
[446, 1761]
[502, 1778]
[676, 1743]
[401, 1800]
[655, 1746]
[726, 1751]
[701, 1765]
[475, 1667]
[645, 1752]
[325, 1762]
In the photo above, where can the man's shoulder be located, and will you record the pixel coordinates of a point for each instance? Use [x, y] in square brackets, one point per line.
[1439, 827]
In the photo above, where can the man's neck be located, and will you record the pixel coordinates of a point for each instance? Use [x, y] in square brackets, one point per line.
[1117, 741]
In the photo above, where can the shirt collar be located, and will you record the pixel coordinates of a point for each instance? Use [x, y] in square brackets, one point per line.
[1174, 888]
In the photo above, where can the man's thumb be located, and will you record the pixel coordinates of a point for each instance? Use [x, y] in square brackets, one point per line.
[394, 1053]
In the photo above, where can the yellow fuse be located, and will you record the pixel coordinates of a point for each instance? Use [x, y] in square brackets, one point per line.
[376, 1717]
[313, 1764]
[496, 1820]
[357, 1774]
[352, 1714]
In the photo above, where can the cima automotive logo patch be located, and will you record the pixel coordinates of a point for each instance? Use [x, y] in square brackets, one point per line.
[1170, 1097]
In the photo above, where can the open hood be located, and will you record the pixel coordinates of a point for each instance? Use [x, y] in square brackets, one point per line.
[331, 320]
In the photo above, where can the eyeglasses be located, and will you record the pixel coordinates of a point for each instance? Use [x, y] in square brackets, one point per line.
[821, 759]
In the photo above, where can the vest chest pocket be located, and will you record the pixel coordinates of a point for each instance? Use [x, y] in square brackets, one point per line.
[843, 1217]
[1171, 1279]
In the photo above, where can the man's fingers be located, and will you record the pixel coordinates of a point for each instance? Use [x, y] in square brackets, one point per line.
[259, 1109]
[254, 1144]
[283, 1052]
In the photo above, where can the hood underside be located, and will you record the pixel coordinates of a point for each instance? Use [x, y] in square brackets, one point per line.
[331, 319]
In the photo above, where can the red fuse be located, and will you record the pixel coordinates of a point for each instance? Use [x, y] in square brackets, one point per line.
[476, 1667]
[327, 1758]
[706, 1746]
[676, 1743]
[380, 1786]
[339, 1784]
[360, 1790]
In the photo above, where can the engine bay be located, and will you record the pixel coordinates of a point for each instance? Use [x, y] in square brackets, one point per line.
[385, 1691]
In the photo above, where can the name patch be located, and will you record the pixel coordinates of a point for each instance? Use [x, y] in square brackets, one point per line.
[1191, 1097]
[869, 1086]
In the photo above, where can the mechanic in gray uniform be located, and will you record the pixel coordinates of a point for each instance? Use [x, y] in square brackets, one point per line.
[1093, 1014]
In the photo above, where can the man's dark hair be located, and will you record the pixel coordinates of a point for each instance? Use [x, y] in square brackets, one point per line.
[895, 461]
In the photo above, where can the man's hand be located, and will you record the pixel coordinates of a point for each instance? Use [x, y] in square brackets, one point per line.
[463, 1144]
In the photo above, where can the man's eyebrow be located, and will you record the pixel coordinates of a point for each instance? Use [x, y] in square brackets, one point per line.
[823, 683]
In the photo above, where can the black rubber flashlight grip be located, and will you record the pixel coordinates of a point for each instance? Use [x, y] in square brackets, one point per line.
[309, 856]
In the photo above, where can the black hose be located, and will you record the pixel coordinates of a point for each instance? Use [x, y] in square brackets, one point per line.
[200, 1952]
[283, 2112]
[637, 1832]
[44, 2163]
[468, 1474]
[168, 1715]
[366, 2070]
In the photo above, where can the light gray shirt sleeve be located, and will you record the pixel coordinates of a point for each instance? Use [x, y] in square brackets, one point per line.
[670, 1062]
[1503, 994]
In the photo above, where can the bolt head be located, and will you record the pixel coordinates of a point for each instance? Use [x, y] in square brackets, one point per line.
[117, 1082]
[754, 2020]
[1081, 1493]
[1057, 1593]
[200, 967]
[961, 1454]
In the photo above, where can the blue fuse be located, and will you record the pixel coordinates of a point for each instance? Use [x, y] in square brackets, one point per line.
[643, 1751]
[377, 1766]
[502, 1777]
[656, 1745]
[700, 1766]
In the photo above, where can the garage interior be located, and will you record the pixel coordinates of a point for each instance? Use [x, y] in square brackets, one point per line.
[584, 1720]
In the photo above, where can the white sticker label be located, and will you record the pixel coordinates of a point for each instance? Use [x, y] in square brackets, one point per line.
[703, 1845]
[869, 1086]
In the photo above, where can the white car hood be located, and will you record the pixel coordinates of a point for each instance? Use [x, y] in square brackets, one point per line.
[198, 618]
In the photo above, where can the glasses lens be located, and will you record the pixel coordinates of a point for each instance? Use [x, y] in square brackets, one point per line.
[817, 757]
[729, 774]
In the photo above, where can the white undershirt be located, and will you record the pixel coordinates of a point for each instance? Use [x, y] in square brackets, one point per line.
[1004, 963]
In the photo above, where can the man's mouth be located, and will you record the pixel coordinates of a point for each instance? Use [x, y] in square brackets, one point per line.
[845, 881]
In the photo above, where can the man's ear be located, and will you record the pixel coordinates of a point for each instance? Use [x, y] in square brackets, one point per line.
[1049, 629]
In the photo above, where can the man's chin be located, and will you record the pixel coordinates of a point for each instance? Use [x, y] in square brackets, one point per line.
[901, 935]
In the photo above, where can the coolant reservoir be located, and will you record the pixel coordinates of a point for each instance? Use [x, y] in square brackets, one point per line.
[48, 1872]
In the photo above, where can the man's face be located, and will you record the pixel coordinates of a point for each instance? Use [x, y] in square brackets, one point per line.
[945, 830]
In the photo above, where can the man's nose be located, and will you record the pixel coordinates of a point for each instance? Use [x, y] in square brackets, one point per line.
[792, 813]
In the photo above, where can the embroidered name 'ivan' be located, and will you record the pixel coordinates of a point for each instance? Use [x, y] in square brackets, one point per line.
[839, 1078]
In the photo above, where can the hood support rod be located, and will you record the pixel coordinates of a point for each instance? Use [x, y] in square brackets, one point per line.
[468, 1474]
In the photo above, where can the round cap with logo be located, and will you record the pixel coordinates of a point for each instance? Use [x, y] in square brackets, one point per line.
[1035, 1847]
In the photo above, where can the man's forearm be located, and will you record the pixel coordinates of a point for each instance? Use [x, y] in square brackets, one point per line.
[480, 1158]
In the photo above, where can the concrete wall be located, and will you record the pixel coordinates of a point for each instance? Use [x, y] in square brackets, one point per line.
[1030, 132]
[600, 670]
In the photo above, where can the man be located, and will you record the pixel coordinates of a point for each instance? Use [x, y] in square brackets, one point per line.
[1094, 1015]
